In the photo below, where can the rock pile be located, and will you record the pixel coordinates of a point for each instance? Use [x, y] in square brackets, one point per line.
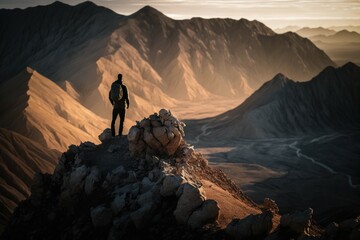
[158, 134]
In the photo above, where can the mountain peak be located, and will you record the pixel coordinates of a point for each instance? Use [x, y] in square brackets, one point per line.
[350, 65]
[150, 12]
[280, 78]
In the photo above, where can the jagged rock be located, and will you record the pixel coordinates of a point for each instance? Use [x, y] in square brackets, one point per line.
[77, 178]
[270, 205]
[119, 203]
[170, 185]
[101, 216]
[252, 226]
[208, 213]
[298, 222]
[90, 181]
[190, 199]
[105, 136]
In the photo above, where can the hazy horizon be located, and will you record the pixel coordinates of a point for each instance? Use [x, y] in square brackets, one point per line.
[274, 13]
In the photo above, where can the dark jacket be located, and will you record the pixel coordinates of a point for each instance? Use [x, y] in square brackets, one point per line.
[123, 100]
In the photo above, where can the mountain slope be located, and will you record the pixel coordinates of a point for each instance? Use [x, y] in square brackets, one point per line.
[20, 159]
[163, 60]
[282, 107]
[342, 37]
[40, 110]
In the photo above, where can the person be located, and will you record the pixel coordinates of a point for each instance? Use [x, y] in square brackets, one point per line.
[118, 96]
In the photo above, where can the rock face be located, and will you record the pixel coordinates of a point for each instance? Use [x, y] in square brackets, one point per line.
[158, 134]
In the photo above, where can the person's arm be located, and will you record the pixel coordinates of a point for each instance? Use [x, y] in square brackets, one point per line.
[127, 97]
[111, 101]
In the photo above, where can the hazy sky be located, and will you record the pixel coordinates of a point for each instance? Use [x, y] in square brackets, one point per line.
[274, 13]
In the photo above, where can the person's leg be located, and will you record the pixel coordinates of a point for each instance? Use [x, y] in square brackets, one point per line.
[122, 119]
[114, 116]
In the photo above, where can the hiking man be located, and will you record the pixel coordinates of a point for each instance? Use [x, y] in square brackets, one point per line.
[119, 98]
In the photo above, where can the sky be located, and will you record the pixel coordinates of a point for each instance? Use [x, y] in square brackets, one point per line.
[274, 13]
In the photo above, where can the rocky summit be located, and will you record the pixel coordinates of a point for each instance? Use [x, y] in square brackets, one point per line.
[152, 185]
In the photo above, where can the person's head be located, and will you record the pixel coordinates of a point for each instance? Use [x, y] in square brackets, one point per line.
[120, 77]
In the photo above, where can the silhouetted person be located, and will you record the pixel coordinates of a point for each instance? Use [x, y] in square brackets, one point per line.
[119, 98]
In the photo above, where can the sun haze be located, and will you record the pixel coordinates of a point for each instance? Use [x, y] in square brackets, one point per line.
[274, 13]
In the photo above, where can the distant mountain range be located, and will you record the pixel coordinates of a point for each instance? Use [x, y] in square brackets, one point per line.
[343, 37]
[314, 29]
[284, 108]
[309, 32]
[163, 60]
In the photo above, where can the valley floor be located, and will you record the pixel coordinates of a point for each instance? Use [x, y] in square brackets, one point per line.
[321, 172]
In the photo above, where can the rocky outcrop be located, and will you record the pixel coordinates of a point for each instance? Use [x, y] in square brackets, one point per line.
[158, 134]
[159, 185]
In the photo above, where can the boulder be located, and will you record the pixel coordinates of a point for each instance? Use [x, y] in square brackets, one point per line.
[101, 216]
[208, 213]
[160, 133]
[190, 199]
[151, 141]
[134, 134]
[252, 226]
[105, 136]
[170, 185]
[142, 216]
[119, 203]
[173, 145]
[77, 177]
[298, 222]
[90, 181]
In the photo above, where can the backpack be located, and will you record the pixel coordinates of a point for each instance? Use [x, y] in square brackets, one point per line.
[116, 93]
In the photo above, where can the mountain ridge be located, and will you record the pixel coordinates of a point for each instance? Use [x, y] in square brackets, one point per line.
[282, 108]
[44, 112]
[176, 59]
